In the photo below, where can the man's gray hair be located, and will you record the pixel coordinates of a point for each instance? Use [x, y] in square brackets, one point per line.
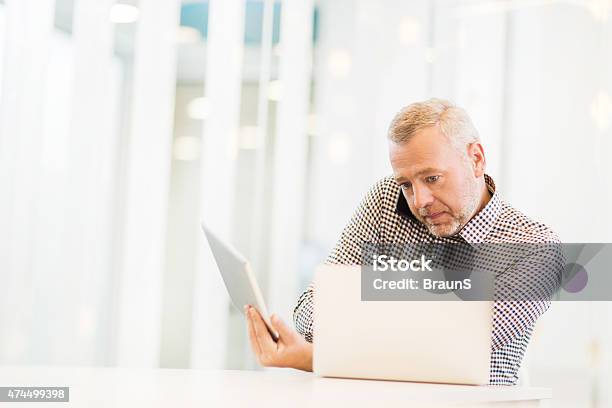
[452, 120]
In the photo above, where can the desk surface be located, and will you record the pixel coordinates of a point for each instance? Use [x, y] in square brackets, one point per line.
[123, 387]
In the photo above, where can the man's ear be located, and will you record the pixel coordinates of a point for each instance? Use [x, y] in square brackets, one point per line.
[477, 158]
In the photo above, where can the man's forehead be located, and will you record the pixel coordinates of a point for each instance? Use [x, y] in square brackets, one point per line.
[423, 154]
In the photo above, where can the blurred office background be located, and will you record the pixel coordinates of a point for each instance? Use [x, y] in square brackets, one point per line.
[125, 123]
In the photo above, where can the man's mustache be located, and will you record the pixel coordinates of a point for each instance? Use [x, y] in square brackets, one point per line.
[424, 212]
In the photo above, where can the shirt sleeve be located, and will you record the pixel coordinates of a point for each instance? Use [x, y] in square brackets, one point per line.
[523, 293]
[362, 228]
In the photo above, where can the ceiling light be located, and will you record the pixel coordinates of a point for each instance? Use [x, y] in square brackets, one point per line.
[188, 35]
[339, 63]
[275, 90]
[409, 30]
[338, 148]
[186, 148]
[601, 110]
[198, 108]
[599, 9]
[123, 13]
[249, 138]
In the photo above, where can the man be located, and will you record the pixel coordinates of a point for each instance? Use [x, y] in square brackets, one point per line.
[439, 193]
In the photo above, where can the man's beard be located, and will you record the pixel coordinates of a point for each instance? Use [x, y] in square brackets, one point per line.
[471, 197]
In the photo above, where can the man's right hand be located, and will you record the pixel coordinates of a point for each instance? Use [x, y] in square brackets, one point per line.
[291, 350]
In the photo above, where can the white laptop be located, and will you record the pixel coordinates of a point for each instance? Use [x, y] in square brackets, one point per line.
[424, 341]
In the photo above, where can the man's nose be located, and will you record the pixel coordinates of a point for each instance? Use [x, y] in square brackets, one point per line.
[422, 196]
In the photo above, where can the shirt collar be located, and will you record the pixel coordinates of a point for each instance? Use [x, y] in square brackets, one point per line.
[477, 229]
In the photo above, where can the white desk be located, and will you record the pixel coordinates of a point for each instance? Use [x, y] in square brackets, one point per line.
[119, 387]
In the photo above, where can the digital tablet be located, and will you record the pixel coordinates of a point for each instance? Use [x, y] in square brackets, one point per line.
[238, 277]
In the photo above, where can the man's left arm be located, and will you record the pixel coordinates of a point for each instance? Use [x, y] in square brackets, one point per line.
[523, 293]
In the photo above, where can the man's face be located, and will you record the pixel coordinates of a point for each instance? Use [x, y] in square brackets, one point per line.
[439, 182]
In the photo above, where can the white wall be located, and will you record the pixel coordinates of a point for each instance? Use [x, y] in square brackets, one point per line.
[557, 153]
[366, 69]
[58, 278]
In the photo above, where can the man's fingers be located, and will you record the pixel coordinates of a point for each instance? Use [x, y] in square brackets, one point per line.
[252, 335]
[290, 351]
[268, 346]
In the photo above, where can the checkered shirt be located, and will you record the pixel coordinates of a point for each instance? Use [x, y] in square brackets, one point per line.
[384, 218]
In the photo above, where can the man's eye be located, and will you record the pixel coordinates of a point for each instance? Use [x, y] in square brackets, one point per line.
[406, 186]
[432, 179]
